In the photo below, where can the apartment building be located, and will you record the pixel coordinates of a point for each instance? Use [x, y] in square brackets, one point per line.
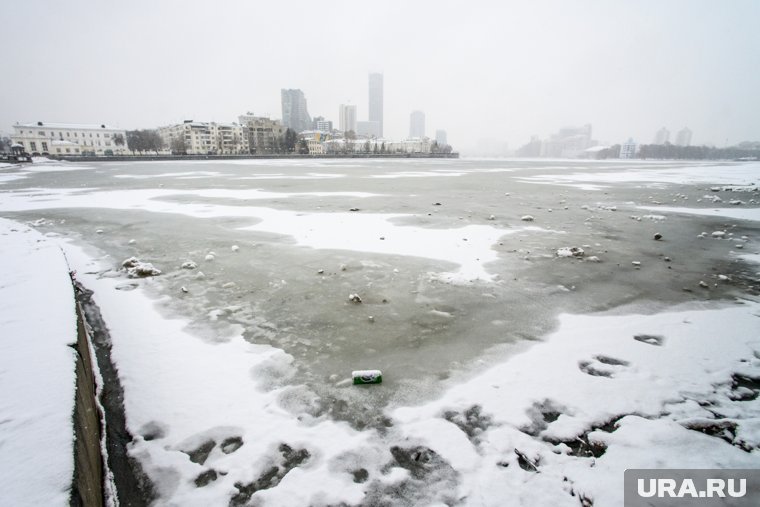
[203, 138]
[263, 135]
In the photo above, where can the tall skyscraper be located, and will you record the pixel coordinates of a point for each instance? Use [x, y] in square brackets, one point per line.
[662, 136]
[417, 124]
[683, 138]
[376, 101]
[347, 118]
[295, 115]
[440, 137]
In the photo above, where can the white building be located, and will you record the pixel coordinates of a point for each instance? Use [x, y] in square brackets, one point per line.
[413, 145]
[202, 138]
[628, 149]
[70, 139]
[316, 147]
[347, 118]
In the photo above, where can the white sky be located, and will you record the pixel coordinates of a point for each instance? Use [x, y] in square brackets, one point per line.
[495, 70]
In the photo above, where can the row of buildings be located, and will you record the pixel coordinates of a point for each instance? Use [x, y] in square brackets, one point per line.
[568, 142]
[683, 137]
[577, 142]
[295, 113]
[251, 134]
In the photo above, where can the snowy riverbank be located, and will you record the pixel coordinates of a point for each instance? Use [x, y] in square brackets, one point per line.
[37, 369]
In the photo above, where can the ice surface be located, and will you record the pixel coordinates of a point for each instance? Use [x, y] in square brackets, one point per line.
[675, 173]
[469, 247]
[247, 368]
[737, 213]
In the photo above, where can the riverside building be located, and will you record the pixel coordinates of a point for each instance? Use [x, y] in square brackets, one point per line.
[43, 138]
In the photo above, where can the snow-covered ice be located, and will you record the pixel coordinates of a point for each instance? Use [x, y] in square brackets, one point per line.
[237, 381]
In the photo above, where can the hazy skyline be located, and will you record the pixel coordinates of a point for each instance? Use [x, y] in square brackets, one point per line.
[500, 71]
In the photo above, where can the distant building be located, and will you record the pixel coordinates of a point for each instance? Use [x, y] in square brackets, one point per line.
[531, 149]
[201, 138]
[440, 137]
[415, 145]
[315, 141]
[419, 145]
[662, 136]
[347, 118]
[417, 124]
[628, 149]
[368, 129]
[568, 142]
[324, 126]
[262, 133]
[683, 138]
[376, 101]
[69, 138]
[319, 123]
[295, 114]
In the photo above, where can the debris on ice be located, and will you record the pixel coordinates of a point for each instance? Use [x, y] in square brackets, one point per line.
[138, 269]
[570, 251]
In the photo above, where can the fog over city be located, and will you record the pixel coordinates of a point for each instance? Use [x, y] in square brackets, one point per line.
[489, 73]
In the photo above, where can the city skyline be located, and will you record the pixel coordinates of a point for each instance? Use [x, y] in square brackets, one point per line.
[523, 70]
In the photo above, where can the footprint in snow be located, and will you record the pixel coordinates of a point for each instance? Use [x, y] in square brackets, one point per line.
[650, 339]
[603, 366]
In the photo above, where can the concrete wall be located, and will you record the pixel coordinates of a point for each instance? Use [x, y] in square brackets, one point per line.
[87, 489]
[144, 158]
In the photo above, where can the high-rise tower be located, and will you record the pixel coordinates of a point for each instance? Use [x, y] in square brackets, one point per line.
[347, 118]
[683, 138]
[376, 100]
[295, 115]
[662, 136]
[417, 124]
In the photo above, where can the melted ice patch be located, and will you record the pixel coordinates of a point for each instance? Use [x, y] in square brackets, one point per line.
[737, 213]
[468, 247]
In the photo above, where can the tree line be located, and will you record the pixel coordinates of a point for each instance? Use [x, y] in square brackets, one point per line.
[672, 151]
[747, 149]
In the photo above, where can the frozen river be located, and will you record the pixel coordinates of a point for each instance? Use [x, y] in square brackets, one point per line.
[455, 262]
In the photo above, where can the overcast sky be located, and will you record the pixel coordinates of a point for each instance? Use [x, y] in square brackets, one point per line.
[481, 70]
